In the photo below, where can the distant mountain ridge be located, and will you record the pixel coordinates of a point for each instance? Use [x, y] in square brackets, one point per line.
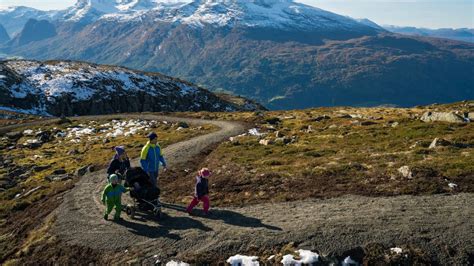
[462, 34]
[281, 53]
[79, 88]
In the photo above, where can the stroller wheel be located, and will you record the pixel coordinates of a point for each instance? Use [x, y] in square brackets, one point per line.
[157, 213]
[130, 210]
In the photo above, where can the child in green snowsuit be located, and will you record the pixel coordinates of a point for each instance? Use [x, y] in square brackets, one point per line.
[112, 197]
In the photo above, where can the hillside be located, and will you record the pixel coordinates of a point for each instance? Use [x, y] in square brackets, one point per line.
[286, 55]
[79, 88]
[370, 183]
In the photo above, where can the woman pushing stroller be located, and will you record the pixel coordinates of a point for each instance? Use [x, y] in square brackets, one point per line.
[120, 162]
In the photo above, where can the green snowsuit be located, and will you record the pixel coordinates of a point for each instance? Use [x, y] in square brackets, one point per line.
[112, 197]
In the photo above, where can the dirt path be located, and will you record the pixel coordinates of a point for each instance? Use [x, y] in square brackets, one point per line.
[334, 226]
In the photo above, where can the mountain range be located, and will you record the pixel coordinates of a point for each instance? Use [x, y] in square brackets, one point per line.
[282, 53]
[79, 88]
[462, 34]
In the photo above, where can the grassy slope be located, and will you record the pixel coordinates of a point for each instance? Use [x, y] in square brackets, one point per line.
[339, 156]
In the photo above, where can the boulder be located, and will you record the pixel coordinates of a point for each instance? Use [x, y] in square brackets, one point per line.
[450, 117]
[59, 172]
[470, 116]
[438, 142]
[273, 120]
[183, 125]
[344, 116]
[278, 134]
[405, 172]
[56, 178]
[40, 168]
[81, 171]
[32, 144]
[367, 123]
[43, 136]
[73, 152]
[91, 168]
[320, 118]
[7, 183]
[270, 128]
[265, 142]
[283, 140]
[14, 135]
[24, 176]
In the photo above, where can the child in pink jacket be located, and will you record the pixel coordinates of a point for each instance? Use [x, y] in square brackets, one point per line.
[201, 192]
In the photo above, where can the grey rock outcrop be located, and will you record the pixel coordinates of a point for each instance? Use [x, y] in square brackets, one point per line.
[450, 117]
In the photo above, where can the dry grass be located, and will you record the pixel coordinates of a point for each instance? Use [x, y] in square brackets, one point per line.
[63, 154]
[340, 155]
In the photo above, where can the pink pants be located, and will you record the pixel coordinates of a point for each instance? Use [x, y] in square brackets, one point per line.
[205, 201]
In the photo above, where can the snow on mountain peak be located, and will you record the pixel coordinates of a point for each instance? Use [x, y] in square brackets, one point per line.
[265, 13]
[198, 13]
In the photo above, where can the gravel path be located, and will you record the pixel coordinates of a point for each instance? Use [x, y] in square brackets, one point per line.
[332, 226]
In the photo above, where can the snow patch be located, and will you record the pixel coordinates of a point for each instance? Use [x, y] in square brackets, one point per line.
[176, 263]
[241, 260]
[396, 250]
[255, 132]
[349, 262]
[306, 256]
[28, 132]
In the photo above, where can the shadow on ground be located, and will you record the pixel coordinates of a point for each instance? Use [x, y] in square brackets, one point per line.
[228, 217]
[162, 226]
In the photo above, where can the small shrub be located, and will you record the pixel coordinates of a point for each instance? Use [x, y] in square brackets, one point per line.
[313, 154]
[273, 162]
[273, 120]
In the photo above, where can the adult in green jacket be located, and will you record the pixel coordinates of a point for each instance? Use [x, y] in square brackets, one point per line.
[112, 197]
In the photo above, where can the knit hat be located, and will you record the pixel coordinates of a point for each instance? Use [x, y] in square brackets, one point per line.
[119, 150]
[152, 136]
[204, 172]
[113, 177]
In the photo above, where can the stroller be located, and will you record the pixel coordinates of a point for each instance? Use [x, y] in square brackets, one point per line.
[146, 197]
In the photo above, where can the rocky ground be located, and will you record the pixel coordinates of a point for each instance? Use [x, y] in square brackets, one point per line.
[338, 208]
[40, 160]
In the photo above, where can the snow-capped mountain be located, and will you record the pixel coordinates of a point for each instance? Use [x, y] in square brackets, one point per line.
[251, 13]
[77, 88]
[255, 13]
[282, 53]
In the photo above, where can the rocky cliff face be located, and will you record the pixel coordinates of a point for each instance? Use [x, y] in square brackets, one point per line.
[4, 37]
[77, 88]
[35, 30]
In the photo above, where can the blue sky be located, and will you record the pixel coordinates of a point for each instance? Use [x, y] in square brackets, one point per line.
[419, 13]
